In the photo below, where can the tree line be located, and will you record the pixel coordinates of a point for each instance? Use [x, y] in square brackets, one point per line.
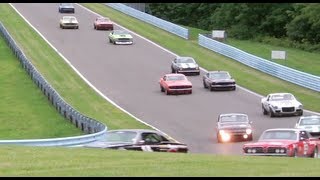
[287, 24]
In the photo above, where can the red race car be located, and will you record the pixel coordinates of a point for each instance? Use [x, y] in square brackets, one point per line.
[284, 142]
[175, 84]
[103, 23]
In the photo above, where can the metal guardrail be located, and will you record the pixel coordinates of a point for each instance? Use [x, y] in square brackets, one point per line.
[95, 130]
[160, 23]
[288, 74]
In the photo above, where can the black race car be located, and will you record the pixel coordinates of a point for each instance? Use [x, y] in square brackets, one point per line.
[139, 140]
[221, 80]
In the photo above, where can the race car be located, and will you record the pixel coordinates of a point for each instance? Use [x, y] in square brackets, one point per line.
[185, 65]
[289, 142]
[175, 84]
[66, 8]
[120, 37]
[277, 104]
[139, 140]
[233, 126]
[102, 23]
[309, 123]
[69, 22]
[215, 80]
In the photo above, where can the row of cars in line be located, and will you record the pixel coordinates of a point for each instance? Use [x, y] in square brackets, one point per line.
[297, 141]
[116, 36]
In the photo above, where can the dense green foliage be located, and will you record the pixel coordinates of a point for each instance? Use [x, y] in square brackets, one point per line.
[296, 24]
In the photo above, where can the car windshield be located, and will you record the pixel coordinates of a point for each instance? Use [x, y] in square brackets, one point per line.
[280, 134]
[66, 4]
[68, 18]
[121, 136]
[219, 75]
[234, 118]
[281, 97]
[120, 32]
[185, 60]
[310, 121]
[103, 19]
[175, 78]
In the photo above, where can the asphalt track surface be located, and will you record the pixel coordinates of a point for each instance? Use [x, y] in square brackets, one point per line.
[129, 75]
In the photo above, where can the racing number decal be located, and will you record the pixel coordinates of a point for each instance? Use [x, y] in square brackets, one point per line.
[146, 148]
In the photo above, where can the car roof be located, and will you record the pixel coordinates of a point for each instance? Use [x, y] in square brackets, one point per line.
[282, 129]
[175, 74]
[68, 17]
[184, 57]
[310, 116]
[135, 130]
[280, 93]
[229, 114]
[218, 71]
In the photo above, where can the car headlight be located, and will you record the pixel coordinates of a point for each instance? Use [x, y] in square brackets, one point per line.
[275, 107]
[221, 132]
[300, 106]
[248, 131]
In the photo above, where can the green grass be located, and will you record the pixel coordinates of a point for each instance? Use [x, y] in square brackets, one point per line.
[61, 76]
[54, 162]
[245, 76]
[25, 113]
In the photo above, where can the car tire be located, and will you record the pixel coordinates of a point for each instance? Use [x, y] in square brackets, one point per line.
[211, 89]
[167, 92]
[272, 113]
[205, 85]
[110, 40]
[161, 89]
[250, 138]
[295, 153]
[264, 111]
[300, 113]
[190, 92]
[315, 153]
[218, 138]
[172, 70]
[234, 88]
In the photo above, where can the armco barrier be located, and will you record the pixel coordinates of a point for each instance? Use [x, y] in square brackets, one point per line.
[288, 74]
[95, 130]
[160, 23]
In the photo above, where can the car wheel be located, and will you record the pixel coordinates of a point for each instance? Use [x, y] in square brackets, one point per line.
[264, 111]
[204, 84]
[250, 138]
[219, 138]
[300, 114]
[172, 70]
[316, 153]
[272, 113]
[161, 88]
[190, 92]
[94, 27]
[166, 91]
[234, 88]
[295, 153]
[110, 41]
[211, 89]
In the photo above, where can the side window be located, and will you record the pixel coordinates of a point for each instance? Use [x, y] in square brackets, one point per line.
[303, 135]
[151, 138]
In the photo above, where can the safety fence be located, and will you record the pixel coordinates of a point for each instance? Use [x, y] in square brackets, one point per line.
[288, 74]
[160, 23]
[94, 129]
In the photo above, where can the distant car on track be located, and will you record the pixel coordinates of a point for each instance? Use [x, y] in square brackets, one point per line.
[102, 23]
[309, 123]
[67, 22]
[277, 104]
[215, 80]
[185, 65]
[139, 140]
[66, 8]
[120, 37]
[289, 142]
[175, 84]
[233, 125]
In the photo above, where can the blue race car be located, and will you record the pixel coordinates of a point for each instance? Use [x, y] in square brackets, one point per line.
[66, 8]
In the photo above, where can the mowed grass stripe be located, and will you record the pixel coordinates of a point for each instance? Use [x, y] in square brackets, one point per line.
[25, 113]
[245, 76]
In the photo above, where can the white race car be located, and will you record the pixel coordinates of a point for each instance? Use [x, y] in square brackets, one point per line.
[278, 104]
[310, 124]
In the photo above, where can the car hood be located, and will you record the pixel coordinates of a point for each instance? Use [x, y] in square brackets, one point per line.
[178, 83]
[288, 103]
[104, 22]
[275, 143]
[122, 36]
[311, 128]
[234, 126]
[104, 144]
[66, 6]
[187, 65]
